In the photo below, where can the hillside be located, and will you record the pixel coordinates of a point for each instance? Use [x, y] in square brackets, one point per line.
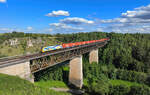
[18, 44]
[12, 85]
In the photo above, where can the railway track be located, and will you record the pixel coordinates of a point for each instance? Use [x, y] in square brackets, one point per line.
[17, 59]
[25, 57]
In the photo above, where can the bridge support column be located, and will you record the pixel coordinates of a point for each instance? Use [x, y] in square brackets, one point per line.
[76, 74]
[93, 56]
[21, 69]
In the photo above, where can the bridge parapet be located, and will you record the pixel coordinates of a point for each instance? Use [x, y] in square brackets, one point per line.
[48, 61]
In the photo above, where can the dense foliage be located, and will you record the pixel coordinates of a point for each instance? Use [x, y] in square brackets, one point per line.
[125, 58]
[125, 51]
[98, 76]
[125, 90]
[58, 73]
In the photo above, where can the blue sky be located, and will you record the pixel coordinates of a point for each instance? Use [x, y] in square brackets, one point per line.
[71, 16]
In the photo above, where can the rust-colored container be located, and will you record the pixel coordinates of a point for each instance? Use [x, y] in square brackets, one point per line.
[82, 43]
[79, 43]
[71, 44]
[67, 45]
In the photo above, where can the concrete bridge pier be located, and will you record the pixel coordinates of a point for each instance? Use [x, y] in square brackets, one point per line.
[22, 70]
[76, 74]
[93, 56]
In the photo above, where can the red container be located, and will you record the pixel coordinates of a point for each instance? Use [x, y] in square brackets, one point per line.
[93, 41]
[86, 42]
[67, 45]
[82, 43]
[71, 44]
[90, 41]
[96, 40]
[75, 44]
[78, 43]
[105, 39]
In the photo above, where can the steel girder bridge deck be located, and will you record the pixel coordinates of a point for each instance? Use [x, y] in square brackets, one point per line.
[40, 61]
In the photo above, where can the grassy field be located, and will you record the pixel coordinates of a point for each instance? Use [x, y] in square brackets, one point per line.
[12, 85]
[122, 82]
[49, 84]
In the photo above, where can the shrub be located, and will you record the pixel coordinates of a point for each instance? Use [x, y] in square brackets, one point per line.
[129, 90]
[131, 76]
[139, 90]
[118, 90]
[99, 85]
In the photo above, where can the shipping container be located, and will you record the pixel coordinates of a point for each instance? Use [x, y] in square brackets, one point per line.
[68, 45]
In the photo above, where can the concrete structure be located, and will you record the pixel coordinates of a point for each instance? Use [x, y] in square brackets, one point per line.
[76, 74]
[22, 70]
[93, 56]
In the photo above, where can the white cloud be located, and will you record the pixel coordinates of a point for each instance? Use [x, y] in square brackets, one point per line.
[64, 26]
[140, 12]
[29, 28]
[99, 29]
[10, 30]
[3, 1]
[50, 30]
[58, 13]
[116, 20]
[56, 24]
[76, 21]
[137, 20]
[125, 20]
[138, 15]
[6, 29]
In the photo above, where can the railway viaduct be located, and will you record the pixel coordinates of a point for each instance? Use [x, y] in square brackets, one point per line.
[26, 66]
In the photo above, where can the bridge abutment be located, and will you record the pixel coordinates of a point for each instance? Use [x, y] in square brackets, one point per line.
[76, 74]
[22, 70]
[93, 56]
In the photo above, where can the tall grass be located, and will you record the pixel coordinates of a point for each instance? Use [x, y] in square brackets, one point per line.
[12, 85]
[51, 83]
[127, 83]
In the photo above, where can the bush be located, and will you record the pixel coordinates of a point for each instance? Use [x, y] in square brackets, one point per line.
[55, 73]
[129, 90]
[118, 90]
[139, 90]
[132, 76]
[94, 70]
[99, 85]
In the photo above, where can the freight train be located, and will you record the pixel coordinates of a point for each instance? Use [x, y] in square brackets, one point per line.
[68, 45]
